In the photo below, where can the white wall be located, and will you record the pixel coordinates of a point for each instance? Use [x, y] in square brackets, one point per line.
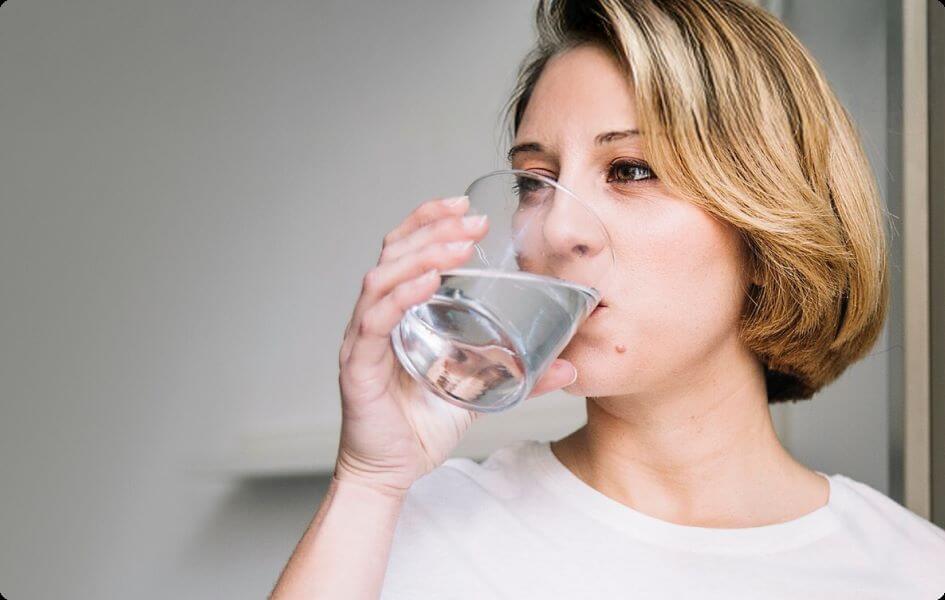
[189, 195]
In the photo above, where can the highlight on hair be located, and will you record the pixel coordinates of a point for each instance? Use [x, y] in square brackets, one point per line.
[737, 118]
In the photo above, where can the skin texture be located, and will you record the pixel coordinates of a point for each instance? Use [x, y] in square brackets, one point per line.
[678, 423]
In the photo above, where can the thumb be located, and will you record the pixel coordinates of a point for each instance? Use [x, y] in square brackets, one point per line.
[560, 374]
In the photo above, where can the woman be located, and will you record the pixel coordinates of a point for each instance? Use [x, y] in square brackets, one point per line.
[751, 255]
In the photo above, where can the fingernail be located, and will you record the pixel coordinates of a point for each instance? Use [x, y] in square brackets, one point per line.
[429, 276]
[473, 223]
[459, 246]
[574, 378]
[451, 202]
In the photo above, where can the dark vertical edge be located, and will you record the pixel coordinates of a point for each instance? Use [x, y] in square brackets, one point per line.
[894, 125]
[936, 43]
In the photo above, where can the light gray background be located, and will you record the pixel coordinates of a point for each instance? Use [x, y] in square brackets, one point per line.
[190, 193]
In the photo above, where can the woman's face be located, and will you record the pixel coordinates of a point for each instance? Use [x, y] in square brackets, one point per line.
[675, 295]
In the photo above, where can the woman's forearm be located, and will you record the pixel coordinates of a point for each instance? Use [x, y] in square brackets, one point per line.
[344, 552]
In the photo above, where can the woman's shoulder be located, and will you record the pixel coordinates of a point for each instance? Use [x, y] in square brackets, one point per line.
[500, 475]
[461, 499]
[884, 526]
[864, 501]
[464, 492]
[453, 508]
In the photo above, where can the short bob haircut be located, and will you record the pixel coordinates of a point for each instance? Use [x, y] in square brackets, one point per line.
[737, 118]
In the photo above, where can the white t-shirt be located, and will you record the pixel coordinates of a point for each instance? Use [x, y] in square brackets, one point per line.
[521, 525]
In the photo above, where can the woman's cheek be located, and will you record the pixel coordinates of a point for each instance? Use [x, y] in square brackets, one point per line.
[681, 281]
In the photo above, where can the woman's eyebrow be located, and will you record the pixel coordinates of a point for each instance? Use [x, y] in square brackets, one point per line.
[612, 136]
[526, 147]
[603, 138]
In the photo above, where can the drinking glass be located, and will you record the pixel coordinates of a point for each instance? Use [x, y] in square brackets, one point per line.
[497, 323]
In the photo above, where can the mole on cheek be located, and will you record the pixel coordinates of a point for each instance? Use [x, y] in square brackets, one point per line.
[620, 348]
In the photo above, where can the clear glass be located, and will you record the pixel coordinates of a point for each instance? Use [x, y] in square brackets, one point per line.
[497, 323]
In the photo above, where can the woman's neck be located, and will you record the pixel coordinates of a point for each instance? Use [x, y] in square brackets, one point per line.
[703, 454]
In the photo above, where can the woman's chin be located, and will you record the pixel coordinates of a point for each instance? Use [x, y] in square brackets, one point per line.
[597, 376]
[586, 384]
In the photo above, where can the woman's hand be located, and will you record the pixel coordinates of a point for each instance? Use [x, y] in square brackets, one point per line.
[392, 431]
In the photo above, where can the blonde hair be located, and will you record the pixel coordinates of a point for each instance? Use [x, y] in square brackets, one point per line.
[737, 118]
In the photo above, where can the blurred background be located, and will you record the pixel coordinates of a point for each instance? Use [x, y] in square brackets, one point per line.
[190, 193]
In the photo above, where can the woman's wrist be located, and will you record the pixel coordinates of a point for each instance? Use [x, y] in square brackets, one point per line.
[340, 478]
[352, 531]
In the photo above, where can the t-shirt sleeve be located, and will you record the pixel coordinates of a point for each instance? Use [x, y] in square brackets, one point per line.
[424, 559]
[413, 569]
[903, 543]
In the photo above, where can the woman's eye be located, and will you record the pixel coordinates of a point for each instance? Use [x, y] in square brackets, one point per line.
[626, 172]
[530, 191]
[524, 184]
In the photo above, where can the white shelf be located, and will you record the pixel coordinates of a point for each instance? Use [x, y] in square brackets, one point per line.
[310, 451]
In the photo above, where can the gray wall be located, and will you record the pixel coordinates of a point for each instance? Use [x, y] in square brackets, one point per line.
[189, 195]
[846, 428]
[191, 192]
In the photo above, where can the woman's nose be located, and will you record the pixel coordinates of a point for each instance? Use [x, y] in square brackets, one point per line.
[572, 232]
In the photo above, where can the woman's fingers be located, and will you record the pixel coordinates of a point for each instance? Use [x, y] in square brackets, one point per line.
[427, 213]
[445, 229]
[389, 290]
[379, 281]
[372, 338]
[561, 374]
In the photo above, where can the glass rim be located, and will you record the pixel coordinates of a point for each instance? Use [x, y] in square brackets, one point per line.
[587, 289]
[532, 174]
[556, 184]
